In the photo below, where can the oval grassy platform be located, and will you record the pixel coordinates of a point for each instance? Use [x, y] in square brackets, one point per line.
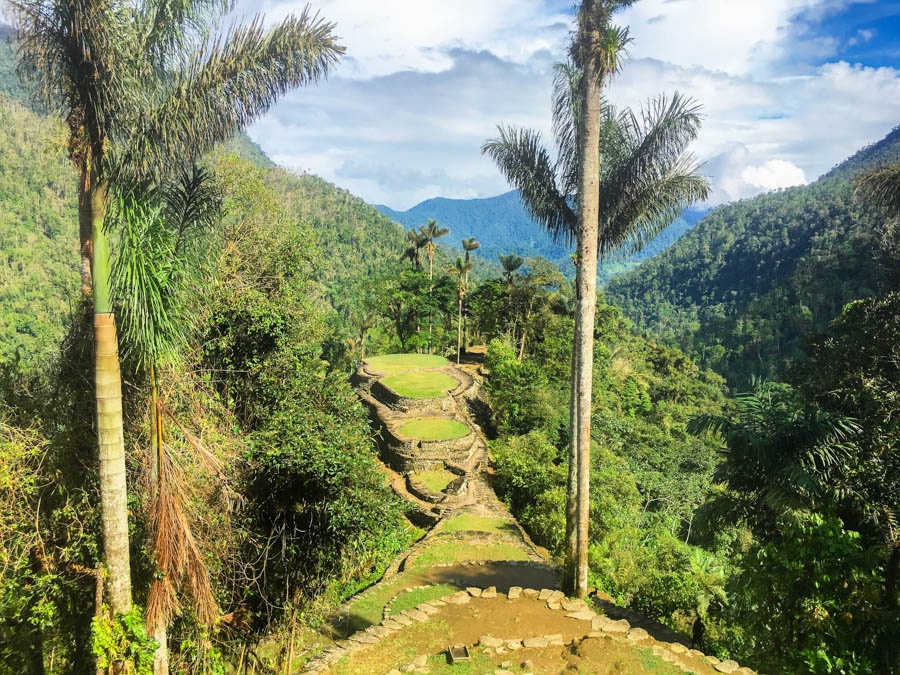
[434, 429]
[391, 364]
[421, 384]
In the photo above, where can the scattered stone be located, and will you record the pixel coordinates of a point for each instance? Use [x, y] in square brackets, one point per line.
[555, 639]
[408, 668]
[728, 666]
[696, 653]
[402, 620]
[501, 671]
[489, 592]
[391, 624]
[416, 615]
[419, 661]
[677, 647]
[528, 665]
[585, 615]
[530, 593]
[460, 598]
[535, 643]
[552, 604]
[490, 641]
[668, 656]
[377, 631]
[637, 634]
[544, 594]
[437, 603]
[364, 638]
[620, 626]
[712, 659]
[513, 645]
[744, 671]
[514, 592]
[428, 609]
[573, 605]
[474, 591]
[558, 596]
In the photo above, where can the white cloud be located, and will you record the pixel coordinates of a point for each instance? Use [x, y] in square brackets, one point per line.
[426, 81]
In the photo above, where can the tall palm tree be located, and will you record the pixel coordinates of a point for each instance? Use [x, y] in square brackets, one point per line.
[416, 242]
[468, 245]
[143, 88]
[511, 264]
[881, 188]
[430, 234]
[363, 323]
[461, 271]
[632, 177]
[161, 250]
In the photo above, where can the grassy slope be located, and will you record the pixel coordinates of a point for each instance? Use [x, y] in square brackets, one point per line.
[391, 364]
[434, 429]
[421, 384]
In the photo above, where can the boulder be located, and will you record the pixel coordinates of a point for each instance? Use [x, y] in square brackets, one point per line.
[514, 592]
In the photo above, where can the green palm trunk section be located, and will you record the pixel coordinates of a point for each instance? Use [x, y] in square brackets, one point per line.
[108, 384]
[161, 655]
[572, 482]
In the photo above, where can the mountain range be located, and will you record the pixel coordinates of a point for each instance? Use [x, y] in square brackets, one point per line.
[502, 225]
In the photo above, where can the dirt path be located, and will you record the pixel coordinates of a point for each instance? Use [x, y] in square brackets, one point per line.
[476, 579]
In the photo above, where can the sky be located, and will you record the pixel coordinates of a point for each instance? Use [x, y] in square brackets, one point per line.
[789, 88]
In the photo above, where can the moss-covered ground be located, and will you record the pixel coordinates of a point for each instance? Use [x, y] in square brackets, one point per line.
[420, 595]
[467, 523]
[391, 364]
[457, 551]
[434, 429]
[421, 384]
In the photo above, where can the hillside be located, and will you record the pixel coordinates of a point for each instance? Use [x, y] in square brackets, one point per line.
[740, 290]
[502, 225]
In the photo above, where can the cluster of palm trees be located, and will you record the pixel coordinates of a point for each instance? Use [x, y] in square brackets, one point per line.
[146, 89]
[618, 179]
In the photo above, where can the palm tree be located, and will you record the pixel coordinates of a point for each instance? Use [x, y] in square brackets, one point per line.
[416, 242]
[143, 88]
[363, 324]
[881, 188]
[430, 233]
[644, 181]
[164, 231]
[510, 263]
[468, 245]
[461, 270]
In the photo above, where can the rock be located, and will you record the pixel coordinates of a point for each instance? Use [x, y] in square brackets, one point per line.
[599, 622]
[408, 668]
[506, 664]
[637, 634]
[395, 671]
[712, 659]
[584, 615]
[489, 641]
[728, 666]
[364, 638]
[489, 592]
[460, 598]
[501, 671]
[402, 620]
[555, 639]
[391, 624]
[378, 631]
[696, 653]
[744, 671]
[530, 593]
[474, 591]
[437, 603]
[416, 615]
[574, 605]
[513, 645]
[514, 592]
[620, 626]
[419, 661]
[535, 643]
[667, 656]
[544, 594]
[552, 604]
[428, 609]
[678, 648]
[528, 665]
[558, 596]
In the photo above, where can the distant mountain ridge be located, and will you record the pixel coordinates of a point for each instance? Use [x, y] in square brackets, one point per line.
[742, 289]
[502, 225]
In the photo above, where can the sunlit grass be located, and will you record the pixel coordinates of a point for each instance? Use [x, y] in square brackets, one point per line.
[391, 364]
[434, 429]
[435, 480]
[468, 522]
[458, 551]
[421, 384]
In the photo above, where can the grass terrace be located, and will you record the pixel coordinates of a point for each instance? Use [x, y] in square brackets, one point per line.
[392, 364]
[435, 480]
[434, 429]
[421, 384]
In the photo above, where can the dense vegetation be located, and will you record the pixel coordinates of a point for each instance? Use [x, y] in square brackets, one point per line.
[742, 288]
[503, 226]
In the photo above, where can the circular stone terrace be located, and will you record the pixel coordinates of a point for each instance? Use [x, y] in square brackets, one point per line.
[433, 429]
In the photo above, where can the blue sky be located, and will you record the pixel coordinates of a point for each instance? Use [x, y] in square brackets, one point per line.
[789, 88]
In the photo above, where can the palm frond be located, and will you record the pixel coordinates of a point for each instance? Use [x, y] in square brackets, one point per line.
[881, 187]
[524, 161]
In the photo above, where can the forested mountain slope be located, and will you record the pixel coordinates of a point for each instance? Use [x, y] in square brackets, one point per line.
[740, 290]
[503, 226]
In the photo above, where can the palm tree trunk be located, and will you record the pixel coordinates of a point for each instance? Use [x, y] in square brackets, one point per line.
[588, 217]
[522, 345]
[459, 331]
[85, 225]
[108, 383]
[572, 484]
[161, 655]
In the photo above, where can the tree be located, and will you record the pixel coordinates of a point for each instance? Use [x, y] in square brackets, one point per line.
[363, 323]
[881, 188]
[468, 245]
[164, 231]
[632, 177]
[416, 242]
[429, 234]
[144, 88]
[461, 270]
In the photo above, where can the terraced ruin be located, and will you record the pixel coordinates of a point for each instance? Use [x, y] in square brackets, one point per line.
[475, 581]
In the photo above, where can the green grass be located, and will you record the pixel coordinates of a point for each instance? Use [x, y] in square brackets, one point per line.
[421, 384]
[391, 364]
[655, 665]
[458, 551]
[420, 595]
[434, 429]
[468, 522]
[435, 480]
[368, 611]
